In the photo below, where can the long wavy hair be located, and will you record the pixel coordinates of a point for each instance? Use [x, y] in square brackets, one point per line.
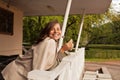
[45, 32]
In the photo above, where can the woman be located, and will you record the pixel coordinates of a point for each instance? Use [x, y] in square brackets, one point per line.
[42, 56]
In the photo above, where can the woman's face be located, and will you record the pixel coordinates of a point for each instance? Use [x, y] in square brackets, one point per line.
[55, 32]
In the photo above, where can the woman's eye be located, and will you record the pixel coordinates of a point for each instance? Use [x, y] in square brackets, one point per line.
[58, 29]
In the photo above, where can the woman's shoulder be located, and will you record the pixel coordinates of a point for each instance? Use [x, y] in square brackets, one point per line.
[49, 42]
[48, 39]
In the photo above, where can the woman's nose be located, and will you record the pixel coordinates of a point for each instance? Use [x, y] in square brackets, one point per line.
[56, 31]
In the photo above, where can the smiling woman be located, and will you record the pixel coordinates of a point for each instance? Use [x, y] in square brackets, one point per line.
[43, 55]
[55, 32]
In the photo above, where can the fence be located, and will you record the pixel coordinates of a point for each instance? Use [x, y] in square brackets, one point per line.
[71, 68]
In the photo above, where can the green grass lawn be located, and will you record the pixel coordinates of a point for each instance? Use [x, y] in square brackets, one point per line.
[101, 51]
[101, 60]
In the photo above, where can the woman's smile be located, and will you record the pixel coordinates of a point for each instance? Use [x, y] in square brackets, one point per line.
[55, 32]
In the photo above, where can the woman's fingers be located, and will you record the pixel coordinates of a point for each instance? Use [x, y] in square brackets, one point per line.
[70, 44]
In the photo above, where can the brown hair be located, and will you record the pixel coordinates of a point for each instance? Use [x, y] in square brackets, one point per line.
[45, 32]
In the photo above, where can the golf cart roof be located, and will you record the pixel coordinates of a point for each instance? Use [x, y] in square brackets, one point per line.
[58, 7]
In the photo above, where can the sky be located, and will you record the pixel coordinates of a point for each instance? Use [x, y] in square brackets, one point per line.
[116, 5]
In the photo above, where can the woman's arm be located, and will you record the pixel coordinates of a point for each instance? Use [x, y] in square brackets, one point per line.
[45, 55]
[68, 46]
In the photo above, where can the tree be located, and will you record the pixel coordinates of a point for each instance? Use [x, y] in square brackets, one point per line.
[33, 25]
[97, 28]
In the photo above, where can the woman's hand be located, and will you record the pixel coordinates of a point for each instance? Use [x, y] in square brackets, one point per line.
[67, 46]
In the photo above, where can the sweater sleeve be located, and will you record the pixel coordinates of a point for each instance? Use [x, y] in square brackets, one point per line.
[44, 55]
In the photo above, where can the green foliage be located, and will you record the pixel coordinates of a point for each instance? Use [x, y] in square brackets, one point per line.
[101, 60]
[30, 29]
[72, 28]
[97, 29]
[33, 25]
[105, 34]
[103, 46]
[103, 51]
